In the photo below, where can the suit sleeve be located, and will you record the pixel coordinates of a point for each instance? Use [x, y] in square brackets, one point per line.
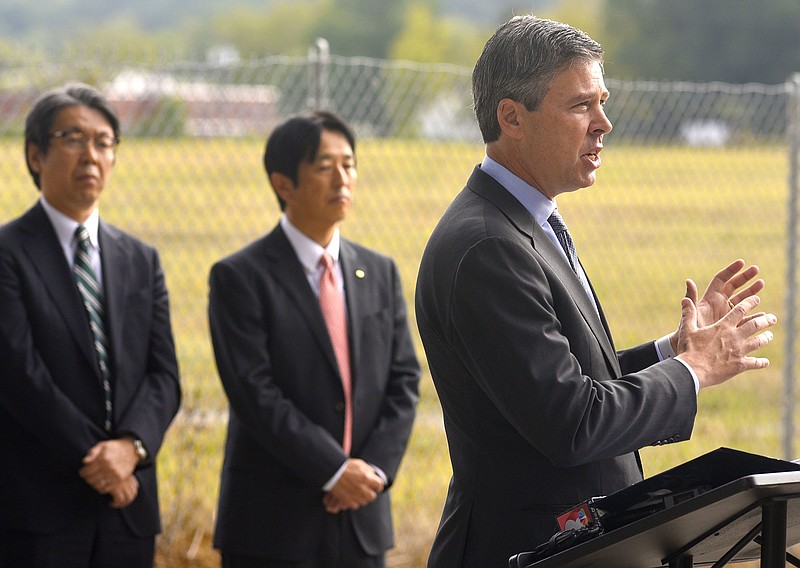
[507, 329]
[637, 358]
[157, 398]
[388, 439]
[241, 342]
[28, 392]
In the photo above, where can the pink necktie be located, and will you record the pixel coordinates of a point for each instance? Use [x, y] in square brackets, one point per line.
[332, 304]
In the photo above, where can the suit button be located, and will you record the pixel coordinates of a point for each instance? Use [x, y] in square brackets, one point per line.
[339, 407]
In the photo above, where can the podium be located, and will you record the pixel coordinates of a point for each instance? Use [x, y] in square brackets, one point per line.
[736, 518]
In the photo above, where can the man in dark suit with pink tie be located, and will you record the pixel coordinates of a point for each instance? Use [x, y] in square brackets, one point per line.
[313, 348]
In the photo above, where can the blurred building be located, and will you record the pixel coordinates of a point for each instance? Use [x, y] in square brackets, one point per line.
[194, 108]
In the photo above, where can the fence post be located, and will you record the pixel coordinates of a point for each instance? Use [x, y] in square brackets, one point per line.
[318, 54]
[793, 112]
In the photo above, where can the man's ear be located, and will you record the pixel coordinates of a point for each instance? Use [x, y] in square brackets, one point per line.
[34, 157]
[282, 185]
[510, 118]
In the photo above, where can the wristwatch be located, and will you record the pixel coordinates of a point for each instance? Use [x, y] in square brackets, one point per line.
[140, 450]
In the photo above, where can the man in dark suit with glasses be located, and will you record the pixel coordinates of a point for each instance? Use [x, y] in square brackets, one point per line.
[89, 378]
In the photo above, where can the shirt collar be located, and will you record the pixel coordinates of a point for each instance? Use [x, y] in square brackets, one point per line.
[307, 250]
[537, 204]
[65, 226]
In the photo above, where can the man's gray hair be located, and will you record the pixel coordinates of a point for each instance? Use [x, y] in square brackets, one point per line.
[47, 108]
[520, 61]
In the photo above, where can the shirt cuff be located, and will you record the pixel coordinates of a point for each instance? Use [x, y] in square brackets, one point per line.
[382, 475]
[665, 351]
[664, 348]
[336, 476]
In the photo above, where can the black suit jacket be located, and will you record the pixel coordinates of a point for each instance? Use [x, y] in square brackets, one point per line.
[279, 372]
[540, 411]
[51, 398]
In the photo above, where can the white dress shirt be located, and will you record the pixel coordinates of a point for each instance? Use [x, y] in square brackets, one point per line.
[65, 226]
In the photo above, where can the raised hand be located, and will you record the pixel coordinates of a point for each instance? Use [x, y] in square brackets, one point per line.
[721, 294]
[721, 350]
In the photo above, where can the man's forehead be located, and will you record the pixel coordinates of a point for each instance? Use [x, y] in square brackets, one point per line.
[80, 115]
[578, 78]
[332, 144]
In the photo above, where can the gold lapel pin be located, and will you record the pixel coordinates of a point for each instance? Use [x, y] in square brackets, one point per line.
[360, 273]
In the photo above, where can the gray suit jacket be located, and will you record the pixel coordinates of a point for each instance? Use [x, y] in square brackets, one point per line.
[540, 411]
[279, 371]
[51, 396]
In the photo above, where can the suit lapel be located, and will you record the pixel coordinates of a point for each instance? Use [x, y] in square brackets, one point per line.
[547, 249]
[603, 320]
[289, 273]
[116, 262]
[46, 255]
[488, 188]
[355, 278]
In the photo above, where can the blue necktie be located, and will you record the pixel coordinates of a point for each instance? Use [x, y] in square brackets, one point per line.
[564, 238]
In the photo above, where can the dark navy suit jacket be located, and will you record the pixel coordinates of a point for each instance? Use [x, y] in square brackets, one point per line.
[279, 372]
[51, 399]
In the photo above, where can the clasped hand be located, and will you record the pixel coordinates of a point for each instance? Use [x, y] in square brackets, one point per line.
[359, 485]
[108, 468]
[717, 333]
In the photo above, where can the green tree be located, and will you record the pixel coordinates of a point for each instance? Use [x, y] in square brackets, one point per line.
[735, 41]
[360, 27]
[586, 16]
[428, 39]
[123, 39]
[285, 29]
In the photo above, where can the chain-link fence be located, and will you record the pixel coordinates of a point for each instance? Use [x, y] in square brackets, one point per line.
[694, 175]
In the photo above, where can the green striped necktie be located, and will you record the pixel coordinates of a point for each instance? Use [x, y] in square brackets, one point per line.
[92, 296]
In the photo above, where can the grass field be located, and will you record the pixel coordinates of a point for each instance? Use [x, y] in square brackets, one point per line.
[656, 217]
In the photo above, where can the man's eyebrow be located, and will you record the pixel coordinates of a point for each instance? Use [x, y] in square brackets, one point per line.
[330, 156]
[587, 95]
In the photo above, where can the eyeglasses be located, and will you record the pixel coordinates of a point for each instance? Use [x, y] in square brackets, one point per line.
[76, 140]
